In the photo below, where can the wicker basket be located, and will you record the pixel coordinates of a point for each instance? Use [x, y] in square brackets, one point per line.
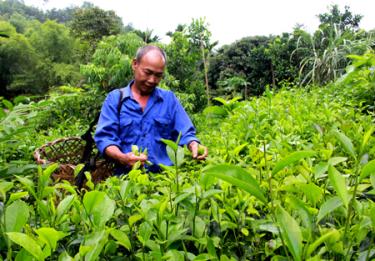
[69, 152]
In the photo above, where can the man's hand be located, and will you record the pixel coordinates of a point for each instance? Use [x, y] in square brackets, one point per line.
[128, 159]
[198, 151]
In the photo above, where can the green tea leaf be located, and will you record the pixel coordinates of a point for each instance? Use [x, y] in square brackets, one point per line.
[329, 206]
[366, 137]
[170, 144]
[339, 184]
[99, 206]
[16, 216]
[5, 186]
[93, 245]
[290, 159]
[28, 184]
[28, 243]
[312, 247]
[133, 219]
[121, 238]
[290, 232]
[63, 206]
[16, 196]
[144, 233]
[50, 236]
[368, 169]
[346, 143]
[239, 177]
[312, 192]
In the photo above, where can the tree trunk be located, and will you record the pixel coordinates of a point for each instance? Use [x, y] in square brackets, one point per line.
[273, 77]
[206, 75]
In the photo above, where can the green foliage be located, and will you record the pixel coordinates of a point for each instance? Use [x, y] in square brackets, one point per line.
[52, 41]
[326, 54]
[111, 63]
[247, 58]
[91, 24]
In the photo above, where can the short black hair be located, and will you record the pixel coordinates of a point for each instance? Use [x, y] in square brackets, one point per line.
[142, 51]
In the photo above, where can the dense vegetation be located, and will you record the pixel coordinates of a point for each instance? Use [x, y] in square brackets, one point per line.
[288, 120]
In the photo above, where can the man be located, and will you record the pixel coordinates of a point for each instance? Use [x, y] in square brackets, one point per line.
[147, 114]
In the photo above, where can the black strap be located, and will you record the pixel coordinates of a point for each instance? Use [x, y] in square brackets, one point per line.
[89, 146]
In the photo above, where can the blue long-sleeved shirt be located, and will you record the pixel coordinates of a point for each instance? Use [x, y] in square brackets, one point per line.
[163, 117]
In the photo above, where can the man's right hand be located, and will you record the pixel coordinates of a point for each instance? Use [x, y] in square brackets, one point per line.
[128, 159]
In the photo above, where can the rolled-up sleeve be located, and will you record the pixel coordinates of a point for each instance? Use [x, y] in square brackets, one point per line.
[183, 124]
[107, 128]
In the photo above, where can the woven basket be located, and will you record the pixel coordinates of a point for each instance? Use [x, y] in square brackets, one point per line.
[68, 152]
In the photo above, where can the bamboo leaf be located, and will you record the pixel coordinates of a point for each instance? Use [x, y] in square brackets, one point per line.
[239, 177]
[329, 206]
[339, 184]
[292, 158]
[290, 232]
[345, 142]
[28, 243]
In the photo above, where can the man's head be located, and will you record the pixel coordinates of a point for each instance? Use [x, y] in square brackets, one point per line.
[148, 67]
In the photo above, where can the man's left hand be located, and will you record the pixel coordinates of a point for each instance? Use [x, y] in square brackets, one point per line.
[198, 151]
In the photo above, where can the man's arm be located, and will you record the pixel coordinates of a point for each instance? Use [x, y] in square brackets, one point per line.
[129, 158]
[183, 124]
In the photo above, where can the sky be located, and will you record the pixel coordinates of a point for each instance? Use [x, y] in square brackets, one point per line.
[228, 20]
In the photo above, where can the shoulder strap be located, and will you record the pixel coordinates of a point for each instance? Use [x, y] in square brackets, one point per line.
[87, 152]
[122, 91]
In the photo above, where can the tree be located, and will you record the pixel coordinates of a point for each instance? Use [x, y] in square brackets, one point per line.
[111, 64]
[247, 58]
[199, 36]
[324, 53]
[147, 36]
[17, 57]
[185, 69]
[92, 24]
[53, 41]
[344, 21]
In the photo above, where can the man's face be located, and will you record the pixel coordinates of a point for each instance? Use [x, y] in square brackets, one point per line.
[148, 72]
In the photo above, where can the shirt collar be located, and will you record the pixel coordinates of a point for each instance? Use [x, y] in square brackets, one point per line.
[155, 94]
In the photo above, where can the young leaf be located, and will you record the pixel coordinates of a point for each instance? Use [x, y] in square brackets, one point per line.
[121, 238]
[239, 177]
[329, 206]
[339, 184]
[345, 142]
[99, 205]
[144, 233]
[292, 158]
[94, 244]
[16, 216]
[17, 195]
[368, 169]
[171, 144]
[366, 137]
[4, 188]
[50, 236]
[63, 206]
[320, 240]
[28, 243]
[290, 232]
